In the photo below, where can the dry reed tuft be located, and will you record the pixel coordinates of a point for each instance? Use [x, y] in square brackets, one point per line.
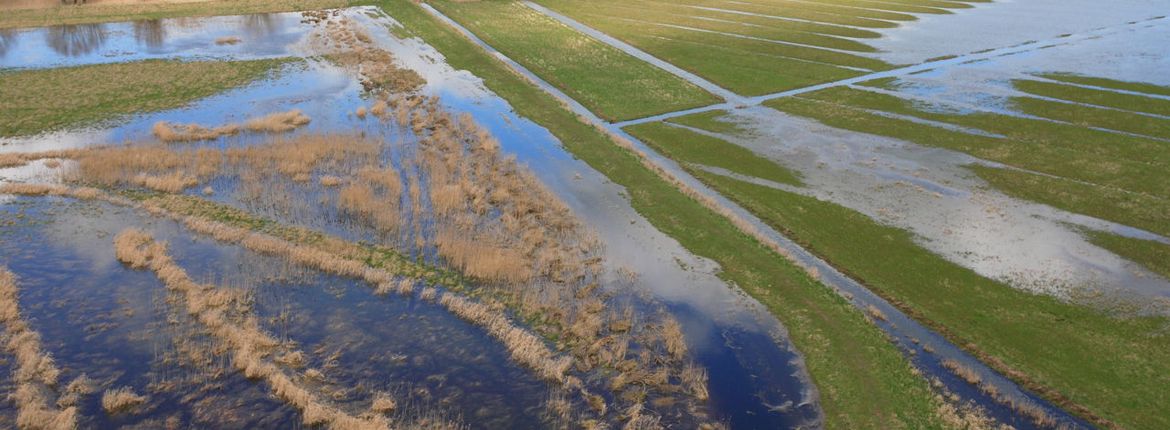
[35, 371]
[694, 380]
[331, 181]
[279, 122]
[383, 404]
[228, 40]
[168, 132]
[121, 400]
[247, 343]
[674, 339]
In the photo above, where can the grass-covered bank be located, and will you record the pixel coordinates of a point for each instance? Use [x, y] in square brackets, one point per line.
[1092, 363]
[611, 83]
[95, 13]
[864, 381]
[39, 100]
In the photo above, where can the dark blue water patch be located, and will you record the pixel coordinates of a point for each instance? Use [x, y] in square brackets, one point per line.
[117, 326]
[261, 36]
[112, 324]
[752, 380]
[409, 348]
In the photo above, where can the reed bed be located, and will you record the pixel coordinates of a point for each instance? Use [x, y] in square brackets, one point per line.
[249, 345]
[120, 400]
[35, 375]
[279, 122]
[449, 192]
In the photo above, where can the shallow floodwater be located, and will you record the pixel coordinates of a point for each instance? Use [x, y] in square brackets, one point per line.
[260, 36]
[117, 326]
[756, 379]
[1005, 23]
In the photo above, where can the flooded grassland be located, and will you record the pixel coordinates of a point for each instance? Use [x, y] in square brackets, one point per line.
[363, 237]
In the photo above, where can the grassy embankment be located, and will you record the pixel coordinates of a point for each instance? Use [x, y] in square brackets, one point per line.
[864, 381]
[611, 83]
[810, 43]
[42, 100]
[95, 13]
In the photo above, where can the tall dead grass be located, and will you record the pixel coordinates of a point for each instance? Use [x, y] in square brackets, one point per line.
[35, 373]
[278, 122]
[120, 400]
[169, 132]
[248, 345]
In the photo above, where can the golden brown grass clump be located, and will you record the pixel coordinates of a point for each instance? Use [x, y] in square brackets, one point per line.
[168, 132]
[17, 159]
[120, 400]
[35, 373]
[279, 122]
[228, 40]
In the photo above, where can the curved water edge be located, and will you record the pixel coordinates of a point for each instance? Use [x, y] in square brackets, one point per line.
[761, 386]
[926, 349]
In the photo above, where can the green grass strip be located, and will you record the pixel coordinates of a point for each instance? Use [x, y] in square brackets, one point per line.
[1117, 368]
[864, 381]
[1091, 96]
[611, 83]
[1154, 256]
[33, 101]
[1139, 87]
[1135, 210]
[690, 147]
[1087, 116]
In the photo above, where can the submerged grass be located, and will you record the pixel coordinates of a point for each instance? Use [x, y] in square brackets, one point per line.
[42, 100]
[864, 381]
[691, 147]
[611, 83]
[1084, 171]
[716, 121]
[1150, 254]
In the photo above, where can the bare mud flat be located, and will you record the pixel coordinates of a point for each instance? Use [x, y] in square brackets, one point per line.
[341, 343]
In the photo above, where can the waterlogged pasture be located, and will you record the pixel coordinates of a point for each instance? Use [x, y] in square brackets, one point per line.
[1034, 177]
[350, 240]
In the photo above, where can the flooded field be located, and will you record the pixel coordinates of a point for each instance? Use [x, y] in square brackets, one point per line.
[564, 214]
[416, 357]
